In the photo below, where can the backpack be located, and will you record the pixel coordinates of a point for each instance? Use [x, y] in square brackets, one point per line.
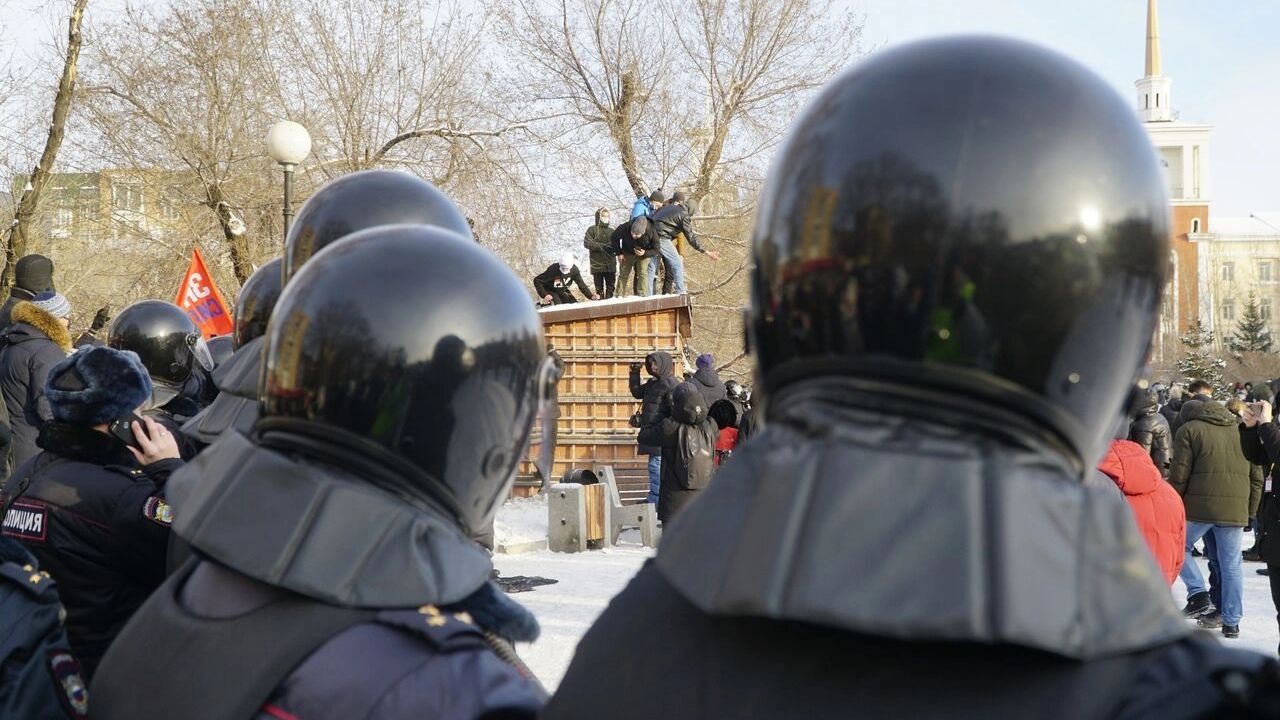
[39, 677]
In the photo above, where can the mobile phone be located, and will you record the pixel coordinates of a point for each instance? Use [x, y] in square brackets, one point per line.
[122, 428]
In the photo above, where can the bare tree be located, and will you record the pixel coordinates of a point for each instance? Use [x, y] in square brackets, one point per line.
[179, 90]
[28, 203]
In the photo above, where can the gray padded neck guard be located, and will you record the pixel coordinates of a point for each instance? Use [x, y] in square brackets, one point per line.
[318, 531]
[236, 407]
[907, 529]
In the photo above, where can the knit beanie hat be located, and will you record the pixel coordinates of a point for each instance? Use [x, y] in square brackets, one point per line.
[96, 386]
[704, 360]
[34, 273]
[53, 303]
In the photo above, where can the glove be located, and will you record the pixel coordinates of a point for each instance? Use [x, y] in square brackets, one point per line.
[635, 419]
[101, 319]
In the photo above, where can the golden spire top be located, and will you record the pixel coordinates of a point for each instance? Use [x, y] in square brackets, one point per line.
[1153, 40]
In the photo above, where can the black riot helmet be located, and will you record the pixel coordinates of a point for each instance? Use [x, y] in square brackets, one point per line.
[734, 390]
[256, 301]
[166, 339]
[363, 200]
[975, 217]
[417, 350]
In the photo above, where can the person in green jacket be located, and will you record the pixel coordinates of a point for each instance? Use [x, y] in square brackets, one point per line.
[1220, 489]
[604, 264]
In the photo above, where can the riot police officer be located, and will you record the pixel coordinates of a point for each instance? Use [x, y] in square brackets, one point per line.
[173, 352]
[959, 258]
[346, 205]
[336, 575]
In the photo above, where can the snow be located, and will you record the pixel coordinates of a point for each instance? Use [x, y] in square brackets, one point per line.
[1258, 630]
[588, 581]
[521, 520]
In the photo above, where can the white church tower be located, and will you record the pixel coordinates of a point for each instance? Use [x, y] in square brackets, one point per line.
[1154, 102]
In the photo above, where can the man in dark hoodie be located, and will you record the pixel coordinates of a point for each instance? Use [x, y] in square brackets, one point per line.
[31, 276]
[662, 380]
[1221, 490]
[635, 243]
[687, 438]
[36, 341]
[1150, 430]
[604, 264]
[707, 380]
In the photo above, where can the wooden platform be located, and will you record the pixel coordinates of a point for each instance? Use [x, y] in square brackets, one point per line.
[598, 341]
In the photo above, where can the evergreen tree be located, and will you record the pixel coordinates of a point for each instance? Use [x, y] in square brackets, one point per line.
[1200, 363]
[1252, 333]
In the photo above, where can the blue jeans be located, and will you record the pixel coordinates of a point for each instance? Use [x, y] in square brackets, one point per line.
[655, 478]
[674, 264]
[1225, 546]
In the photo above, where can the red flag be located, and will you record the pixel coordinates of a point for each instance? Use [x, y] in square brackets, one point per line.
[199, 296]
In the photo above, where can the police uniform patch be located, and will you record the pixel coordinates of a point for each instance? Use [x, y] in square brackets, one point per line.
[74, 693]
[27, 521]
[158, 511]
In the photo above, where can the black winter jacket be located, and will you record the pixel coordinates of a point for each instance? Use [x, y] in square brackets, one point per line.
[1261, 445]
[552, 280]
[707, 380]
[652, 392]
[1151, 431]
[624, 244]
[16, 295]
[98, 524]
[28, 351]
[688, 441]
[672, 220]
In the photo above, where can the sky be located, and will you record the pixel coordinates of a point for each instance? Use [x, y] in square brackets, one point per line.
[1222, 56]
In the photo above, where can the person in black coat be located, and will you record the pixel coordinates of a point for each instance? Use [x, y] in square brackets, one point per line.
[35, 342]
[707, 380]
[91, 508]
[688, 440]
[1150, 430]
[675, 218]
[662, 380]
[32, 275]
[634, 243]
[553, 284]
[1260, 442]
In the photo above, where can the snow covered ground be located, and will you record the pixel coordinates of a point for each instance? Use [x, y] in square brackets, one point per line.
[1258, 628]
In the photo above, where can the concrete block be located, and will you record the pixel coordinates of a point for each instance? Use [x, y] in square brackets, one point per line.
[566, 518]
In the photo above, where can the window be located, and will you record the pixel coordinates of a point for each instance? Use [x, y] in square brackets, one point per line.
[1195, 225]
[1228, 310]
[127, 196]
[1264, 308]
[1264, 271]
[1157, 99]
[168, 210]
[1228, 272]
[1146, 101]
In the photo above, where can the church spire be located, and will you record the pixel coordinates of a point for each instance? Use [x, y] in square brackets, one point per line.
[1153, 40]
[1154, 104]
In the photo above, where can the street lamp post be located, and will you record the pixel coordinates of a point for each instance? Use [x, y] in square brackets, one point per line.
[288, 143]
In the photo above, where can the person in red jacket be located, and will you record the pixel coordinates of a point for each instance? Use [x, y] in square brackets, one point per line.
[1156, 505]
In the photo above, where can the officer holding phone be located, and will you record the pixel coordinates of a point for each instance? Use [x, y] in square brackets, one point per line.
[91, 507]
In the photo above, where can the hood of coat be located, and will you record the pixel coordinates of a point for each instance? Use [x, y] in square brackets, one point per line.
[1130, 468]
[1190, 408]
[707, 377]
[1214, 413]
[42, 323]
[602, 223]
[687, 405]
[660, 364]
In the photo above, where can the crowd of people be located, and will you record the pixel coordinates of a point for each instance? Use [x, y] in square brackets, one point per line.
[625, 260]
[310, 550]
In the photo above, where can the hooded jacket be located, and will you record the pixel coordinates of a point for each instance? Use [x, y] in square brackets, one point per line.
[651, 393]
[687, 438]
[1217, 482]
[28, 351]
[1032, 585]
[1151, 431]
[707, 380]
[1156, 506]
[552, 281]
[596, 241]
[624, 244]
